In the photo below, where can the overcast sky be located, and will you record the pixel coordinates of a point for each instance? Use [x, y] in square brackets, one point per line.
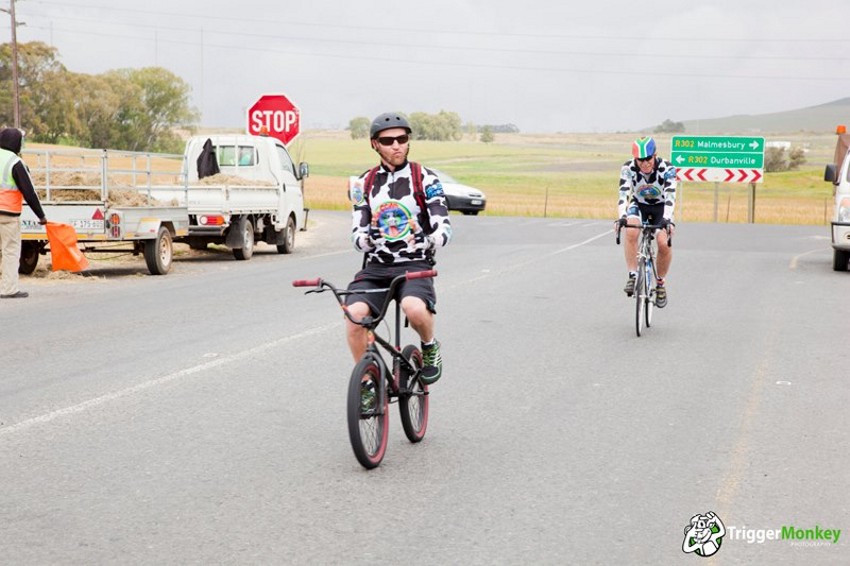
[544, 65]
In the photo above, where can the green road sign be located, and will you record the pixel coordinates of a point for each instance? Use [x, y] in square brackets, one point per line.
[717, 152]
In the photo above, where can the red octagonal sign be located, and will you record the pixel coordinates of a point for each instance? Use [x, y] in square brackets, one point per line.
[274, 115]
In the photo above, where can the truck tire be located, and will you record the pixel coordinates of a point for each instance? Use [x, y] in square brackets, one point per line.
[159, 252]
[840, 259]
[247, 249]
[288, 238]
[29, 257]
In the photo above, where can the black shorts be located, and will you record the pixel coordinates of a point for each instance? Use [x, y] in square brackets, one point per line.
[379, 276]
[651, 213]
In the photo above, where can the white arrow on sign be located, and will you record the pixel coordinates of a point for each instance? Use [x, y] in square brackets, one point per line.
[679, 159]
[754, 144]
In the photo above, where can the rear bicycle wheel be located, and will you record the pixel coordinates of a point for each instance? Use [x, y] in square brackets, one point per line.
[640, 296]
[413, 405]
[368, 418]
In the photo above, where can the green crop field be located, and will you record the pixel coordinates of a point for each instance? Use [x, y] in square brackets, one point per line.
[573, 175]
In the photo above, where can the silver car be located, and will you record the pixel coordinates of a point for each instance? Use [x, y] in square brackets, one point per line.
[461, 197]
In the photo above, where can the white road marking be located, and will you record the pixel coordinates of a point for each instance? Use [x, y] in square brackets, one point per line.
[220, 361]
[793, 265]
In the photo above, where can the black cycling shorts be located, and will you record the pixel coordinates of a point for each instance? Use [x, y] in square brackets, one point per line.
[379, 276]
[651, 213]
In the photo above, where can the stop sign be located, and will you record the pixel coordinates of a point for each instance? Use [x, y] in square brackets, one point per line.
[276, 116]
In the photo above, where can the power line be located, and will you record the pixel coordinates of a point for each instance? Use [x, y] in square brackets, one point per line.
[453, 48]
[429, 31]
[527, 68]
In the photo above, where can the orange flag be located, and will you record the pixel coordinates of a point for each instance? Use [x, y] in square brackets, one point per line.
[64, 252]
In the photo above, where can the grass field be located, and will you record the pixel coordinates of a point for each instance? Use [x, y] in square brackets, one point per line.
[573, 175]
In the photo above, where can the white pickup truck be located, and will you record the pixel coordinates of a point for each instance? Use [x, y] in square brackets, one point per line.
[267, 204]
[147, 201]
[838, 173]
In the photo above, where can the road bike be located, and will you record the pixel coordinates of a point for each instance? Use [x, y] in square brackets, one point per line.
[646, 275]
[375, 384]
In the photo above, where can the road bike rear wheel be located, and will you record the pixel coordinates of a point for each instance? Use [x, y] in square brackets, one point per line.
[413, 405]
[368, 418]
[640, 297]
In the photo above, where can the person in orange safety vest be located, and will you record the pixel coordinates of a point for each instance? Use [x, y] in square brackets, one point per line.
[15, 187]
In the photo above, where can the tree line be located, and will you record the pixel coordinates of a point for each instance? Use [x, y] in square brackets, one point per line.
[128, 109]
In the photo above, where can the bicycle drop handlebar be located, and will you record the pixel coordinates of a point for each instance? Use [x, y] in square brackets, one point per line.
[665, 227]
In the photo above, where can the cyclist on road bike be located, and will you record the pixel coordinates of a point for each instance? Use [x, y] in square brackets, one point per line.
[396, 235]
[647, 192]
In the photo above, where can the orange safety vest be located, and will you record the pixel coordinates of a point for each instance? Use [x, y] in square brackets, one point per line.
[11, 199]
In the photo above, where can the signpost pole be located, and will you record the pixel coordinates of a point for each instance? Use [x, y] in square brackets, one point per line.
[751, 208]
[681, 199]
[716, 196]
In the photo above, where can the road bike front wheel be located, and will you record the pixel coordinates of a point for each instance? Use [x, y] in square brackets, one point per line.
[650, 293]
[640, 297]
[413, 401]
[368, 418]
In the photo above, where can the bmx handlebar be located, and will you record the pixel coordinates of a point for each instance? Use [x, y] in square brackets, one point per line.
[320, 285]
[318, 281]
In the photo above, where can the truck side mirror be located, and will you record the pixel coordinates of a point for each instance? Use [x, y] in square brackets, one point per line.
[303, 170]
[829, 174]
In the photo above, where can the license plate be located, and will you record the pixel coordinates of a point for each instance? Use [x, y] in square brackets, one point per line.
[475, 201]
[87, 225]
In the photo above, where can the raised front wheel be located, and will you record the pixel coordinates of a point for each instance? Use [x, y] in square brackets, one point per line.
[368, 418]
[159, 252]
[413, 400]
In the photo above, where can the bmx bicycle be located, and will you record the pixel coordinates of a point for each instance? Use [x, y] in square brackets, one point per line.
[646, 275]
[374, 383]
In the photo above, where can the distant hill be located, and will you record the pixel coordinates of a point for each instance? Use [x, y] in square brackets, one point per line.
[820, 119]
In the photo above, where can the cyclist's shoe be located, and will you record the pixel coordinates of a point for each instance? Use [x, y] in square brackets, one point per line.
[368, 396]
[660, 297]
[630, 286]
[432, 363]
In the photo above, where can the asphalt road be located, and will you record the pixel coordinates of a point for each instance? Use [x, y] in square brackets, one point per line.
[199, 417]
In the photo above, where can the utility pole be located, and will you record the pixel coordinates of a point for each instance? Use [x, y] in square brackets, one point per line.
[16, 99]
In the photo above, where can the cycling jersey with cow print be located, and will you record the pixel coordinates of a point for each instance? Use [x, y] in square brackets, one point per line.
[659, 187]
[384, 225]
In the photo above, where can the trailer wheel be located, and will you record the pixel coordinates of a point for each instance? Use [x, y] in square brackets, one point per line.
[29, 257]
[288, 238]
[159, 252]
[247, 249]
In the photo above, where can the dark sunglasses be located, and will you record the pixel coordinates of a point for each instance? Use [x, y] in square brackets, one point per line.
[645, 159]
[388, 140]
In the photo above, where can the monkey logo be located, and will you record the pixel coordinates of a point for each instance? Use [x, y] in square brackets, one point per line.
[703, 535]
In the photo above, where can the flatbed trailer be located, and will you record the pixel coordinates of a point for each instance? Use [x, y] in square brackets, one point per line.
[107, 196]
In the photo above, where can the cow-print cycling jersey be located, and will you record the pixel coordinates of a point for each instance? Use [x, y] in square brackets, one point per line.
[385, 226]
[659, 187]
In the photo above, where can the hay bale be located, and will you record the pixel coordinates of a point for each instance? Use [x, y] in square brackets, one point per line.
[233, 180]
[63, 188]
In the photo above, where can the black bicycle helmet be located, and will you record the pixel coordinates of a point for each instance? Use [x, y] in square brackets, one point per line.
[386, 121]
